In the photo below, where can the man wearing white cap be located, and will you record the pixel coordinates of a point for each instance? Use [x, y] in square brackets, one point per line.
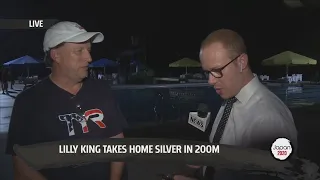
[66, 105]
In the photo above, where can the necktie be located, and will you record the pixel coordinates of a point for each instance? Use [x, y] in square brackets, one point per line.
[219, 132]
[224, 120]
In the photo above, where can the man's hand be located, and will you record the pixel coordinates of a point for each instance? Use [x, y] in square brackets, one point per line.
[22, 171]
[116, 170]
[117, 167]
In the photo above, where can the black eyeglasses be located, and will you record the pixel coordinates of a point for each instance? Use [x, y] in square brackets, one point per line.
[217, 73]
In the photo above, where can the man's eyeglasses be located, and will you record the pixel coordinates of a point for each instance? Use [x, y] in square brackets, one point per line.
[217, 73]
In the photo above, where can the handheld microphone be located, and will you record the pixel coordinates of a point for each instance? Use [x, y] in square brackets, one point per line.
[201, 118]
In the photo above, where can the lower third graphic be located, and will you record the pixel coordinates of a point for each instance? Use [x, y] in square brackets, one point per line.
[11, 24]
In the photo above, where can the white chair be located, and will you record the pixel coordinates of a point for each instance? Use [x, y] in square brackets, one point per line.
[289, 79]
[294, 78]
[300, 77]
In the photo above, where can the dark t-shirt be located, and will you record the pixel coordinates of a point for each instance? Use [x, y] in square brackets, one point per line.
[47, 113]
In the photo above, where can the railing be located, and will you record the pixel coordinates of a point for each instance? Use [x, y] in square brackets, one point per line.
[153, 86]
[143, 104]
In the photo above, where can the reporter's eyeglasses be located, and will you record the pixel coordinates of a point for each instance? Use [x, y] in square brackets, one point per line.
[217, 73]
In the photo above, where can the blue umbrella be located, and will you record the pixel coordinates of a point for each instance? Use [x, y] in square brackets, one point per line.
[24, 60]
[104, 63]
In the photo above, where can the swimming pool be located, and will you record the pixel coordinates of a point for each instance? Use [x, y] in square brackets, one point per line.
[143, 104]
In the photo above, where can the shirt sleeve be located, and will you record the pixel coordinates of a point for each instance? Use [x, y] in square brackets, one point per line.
[15, 133]
[267, 129]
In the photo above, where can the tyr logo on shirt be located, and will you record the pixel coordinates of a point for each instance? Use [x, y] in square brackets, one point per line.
[95, 115]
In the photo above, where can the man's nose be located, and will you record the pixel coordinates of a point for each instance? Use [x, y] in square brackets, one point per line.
[212, 80]
[89, 59]
[87, 56]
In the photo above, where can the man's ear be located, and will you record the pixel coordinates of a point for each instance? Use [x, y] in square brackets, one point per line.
[243, 61]
[54, 54]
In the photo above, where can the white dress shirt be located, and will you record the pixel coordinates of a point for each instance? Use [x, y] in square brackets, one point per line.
[258, 115]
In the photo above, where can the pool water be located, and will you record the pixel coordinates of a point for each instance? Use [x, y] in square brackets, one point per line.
[155, 105]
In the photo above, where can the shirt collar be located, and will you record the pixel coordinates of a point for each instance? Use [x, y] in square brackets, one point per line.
[248, 90]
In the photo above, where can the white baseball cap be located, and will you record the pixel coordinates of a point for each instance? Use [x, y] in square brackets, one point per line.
[66, 31]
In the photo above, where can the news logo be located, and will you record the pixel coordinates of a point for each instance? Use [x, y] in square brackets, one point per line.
[198, 122]
[281, 149]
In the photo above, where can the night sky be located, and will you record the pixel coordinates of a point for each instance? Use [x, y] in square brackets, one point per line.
[171, 29]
